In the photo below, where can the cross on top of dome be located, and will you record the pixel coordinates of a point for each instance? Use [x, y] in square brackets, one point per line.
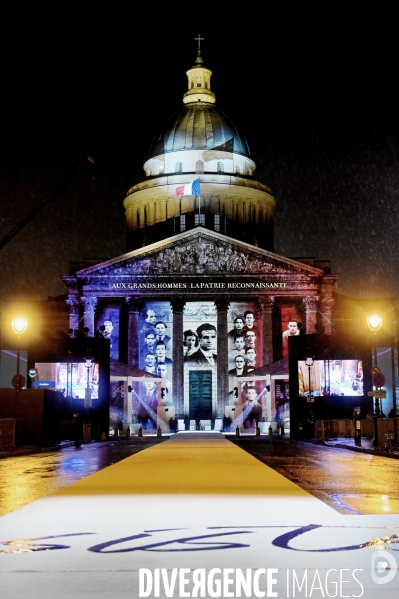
[199, 39]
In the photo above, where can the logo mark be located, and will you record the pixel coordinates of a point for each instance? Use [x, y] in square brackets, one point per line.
[383, 567]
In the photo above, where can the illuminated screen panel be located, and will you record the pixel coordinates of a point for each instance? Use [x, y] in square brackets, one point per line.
[331, 377]
[72, 379]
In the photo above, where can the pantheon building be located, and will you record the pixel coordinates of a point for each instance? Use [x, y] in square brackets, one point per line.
[200, 298]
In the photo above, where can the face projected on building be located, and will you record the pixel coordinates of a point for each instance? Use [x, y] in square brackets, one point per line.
[251, 356]
[293, 328]
[251, 395]
[240, 363]
[150, 340]
[162, 370]
[249, 319]
[161, 351]
[239, 343]
[150, 360]
[250, 339]
[207, 340]
[108, 326]
[238, 324]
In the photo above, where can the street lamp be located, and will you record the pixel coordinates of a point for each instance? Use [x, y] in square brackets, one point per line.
[374, 322]
[19, 325]
[309, 363]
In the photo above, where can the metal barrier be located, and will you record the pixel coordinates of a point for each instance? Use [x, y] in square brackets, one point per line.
[325, 429]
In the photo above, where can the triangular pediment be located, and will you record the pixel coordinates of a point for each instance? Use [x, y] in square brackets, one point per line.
[199, 252]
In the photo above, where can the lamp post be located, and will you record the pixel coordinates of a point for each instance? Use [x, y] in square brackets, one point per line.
[374, 322]
[19, 325]
[309, 363]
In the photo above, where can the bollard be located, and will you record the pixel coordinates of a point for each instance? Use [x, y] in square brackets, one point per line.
[140, 433]
[257, 431]
[282, 429]
[237, 432]
[128, 431]
[159, 432]
[270, 430]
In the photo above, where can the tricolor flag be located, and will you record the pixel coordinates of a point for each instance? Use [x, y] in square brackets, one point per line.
[191, 189]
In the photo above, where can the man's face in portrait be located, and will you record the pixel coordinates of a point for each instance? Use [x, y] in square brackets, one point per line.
[160, 351]
[239, 343]
[160, 329]
[293, 327]
[249, 320]
[150, 360]
[251, 395]
[251, 356]
[150, 340]
[250, 338]
[207, 340]
[108, 326]
[162, 370]
[240, 362]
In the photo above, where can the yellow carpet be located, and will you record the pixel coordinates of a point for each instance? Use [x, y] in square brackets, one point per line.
[192, 464]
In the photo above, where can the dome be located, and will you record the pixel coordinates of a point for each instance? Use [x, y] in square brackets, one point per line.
[199, 126]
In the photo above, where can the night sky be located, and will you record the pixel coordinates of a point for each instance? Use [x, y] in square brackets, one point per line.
[314, 94]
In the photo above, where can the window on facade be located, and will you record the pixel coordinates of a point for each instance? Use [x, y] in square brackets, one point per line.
[199, 219]
[216, 222]
[199, 166]
[206, 85]
[199, 84]
[192, 84]
[179, 167]
[182, 223]
[220, 167]
[238, 170]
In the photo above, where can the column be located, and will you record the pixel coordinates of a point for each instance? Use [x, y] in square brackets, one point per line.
[177, 305]
[141, 210]
[222, 306]
[134, 307]
[327, 303]
[89, 303]
[151, 213]
[73, 303]
[310, 303]
[266, 308]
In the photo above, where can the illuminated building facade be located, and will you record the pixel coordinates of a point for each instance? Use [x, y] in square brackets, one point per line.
[200, 298]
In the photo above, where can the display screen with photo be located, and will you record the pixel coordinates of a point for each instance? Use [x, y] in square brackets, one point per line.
[71, 378]
[331, 377]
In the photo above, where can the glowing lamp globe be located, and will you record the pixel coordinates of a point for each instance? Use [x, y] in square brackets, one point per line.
[19, 325]
[374, 322]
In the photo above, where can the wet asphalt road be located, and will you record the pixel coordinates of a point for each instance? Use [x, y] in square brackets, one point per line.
[351, 483]
[27, 478]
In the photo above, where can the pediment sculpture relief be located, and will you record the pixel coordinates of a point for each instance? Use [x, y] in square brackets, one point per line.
[199, 256]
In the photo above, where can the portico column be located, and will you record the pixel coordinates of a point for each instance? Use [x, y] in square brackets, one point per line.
[134, 306]
[178, 304]
[89, 303]
[266, 308]
[222, 306]
[310, 302]
[73, 304]
[327, 303]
